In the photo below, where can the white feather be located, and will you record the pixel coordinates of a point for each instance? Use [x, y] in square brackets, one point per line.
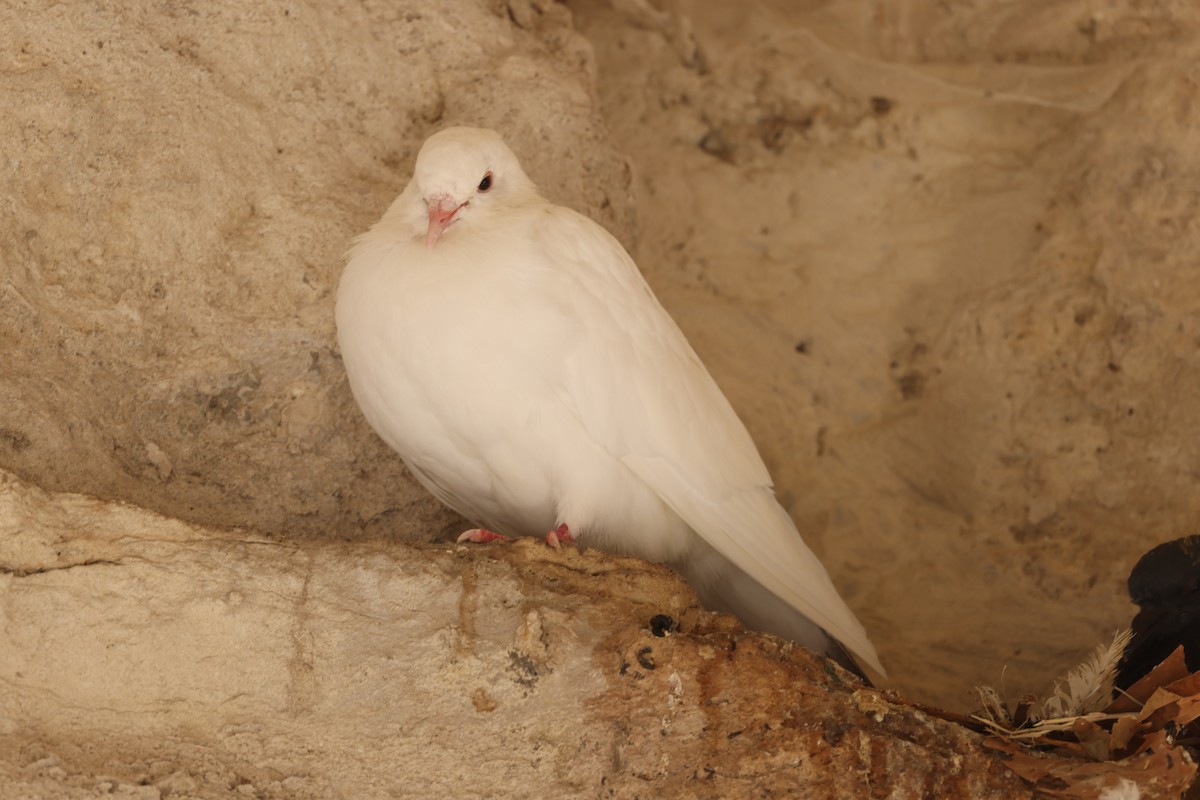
[529, 377]
[1121, 789]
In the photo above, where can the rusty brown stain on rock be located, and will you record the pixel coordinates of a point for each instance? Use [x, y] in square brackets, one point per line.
[483, 701]
[774, 721]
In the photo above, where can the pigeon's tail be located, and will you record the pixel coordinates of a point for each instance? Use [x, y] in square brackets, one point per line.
[722, 586]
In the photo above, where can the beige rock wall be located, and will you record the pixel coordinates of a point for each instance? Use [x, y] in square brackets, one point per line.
[145, 657]
[943, 258]
[181, 183]
[943, 262]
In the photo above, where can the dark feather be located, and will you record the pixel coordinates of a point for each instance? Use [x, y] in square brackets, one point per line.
[1165, 583]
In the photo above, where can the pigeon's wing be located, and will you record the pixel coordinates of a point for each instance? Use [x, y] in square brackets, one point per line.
[643, 394]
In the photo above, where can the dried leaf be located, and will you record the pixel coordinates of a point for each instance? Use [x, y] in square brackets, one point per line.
[1153, 741]
[1164, 706]
[1160, 699]
[1027, 766]
[1095, 740]
[1122, 731]
[1167, 773]
[1185, 687]
[1189, 711]
[1172, 669]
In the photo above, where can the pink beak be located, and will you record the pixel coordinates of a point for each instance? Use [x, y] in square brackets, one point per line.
[441, 214]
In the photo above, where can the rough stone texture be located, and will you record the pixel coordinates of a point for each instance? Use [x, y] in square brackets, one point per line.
[145, 657]
[181, 182]
[942, 259]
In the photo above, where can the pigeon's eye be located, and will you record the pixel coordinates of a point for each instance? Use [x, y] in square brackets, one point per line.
[486, 183]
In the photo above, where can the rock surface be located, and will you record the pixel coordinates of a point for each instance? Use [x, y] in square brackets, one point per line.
[942, 261]
[181, 186]
[145, 657]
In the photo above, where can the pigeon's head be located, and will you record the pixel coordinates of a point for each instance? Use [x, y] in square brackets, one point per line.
[464, 174]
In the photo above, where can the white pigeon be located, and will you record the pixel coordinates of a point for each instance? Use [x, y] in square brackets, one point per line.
[512, 354]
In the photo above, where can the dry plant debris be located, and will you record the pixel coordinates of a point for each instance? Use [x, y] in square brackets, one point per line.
[1142, 745]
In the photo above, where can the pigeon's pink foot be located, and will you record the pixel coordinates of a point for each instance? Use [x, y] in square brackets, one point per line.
[481, 535]
[560, 535]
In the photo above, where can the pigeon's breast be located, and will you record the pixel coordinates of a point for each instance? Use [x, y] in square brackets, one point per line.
[454, 357]
[460, 360]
